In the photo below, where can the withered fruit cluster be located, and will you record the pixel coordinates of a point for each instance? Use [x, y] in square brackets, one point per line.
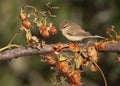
[39, 18]
[70, 67]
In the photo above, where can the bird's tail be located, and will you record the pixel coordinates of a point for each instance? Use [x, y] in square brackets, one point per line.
[96, 36]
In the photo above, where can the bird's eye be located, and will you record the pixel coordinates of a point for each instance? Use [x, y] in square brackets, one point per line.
[64, 27]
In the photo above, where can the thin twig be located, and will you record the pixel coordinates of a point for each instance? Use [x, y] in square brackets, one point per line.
[102, 74]
[14, 36]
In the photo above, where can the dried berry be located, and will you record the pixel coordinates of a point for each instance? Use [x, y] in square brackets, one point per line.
[44, 32]
[63, 66]
[75, 77]
[26, 24]
[92, 53]
[72, 84]
[74, 47]
[53, 30]
[51, 60]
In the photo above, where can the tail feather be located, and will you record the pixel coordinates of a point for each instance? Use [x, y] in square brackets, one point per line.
[96, 36]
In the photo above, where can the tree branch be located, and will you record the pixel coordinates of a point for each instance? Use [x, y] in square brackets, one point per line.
[25, 51]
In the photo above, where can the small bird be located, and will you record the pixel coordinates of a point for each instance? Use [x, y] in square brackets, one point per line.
[74, 32]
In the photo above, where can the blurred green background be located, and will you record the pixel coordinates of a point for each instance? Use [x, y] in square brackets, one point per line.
[93, 15]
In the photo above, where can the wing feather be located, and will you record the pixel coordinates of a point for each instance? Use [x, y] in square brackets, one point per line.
[76, 30]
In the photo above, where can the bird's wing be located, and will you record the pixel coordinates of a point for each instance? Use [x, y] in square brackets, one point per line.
[78, 31]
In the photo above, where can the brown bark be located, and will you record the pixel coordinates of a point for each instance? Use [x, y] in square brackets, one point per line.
[27, 51]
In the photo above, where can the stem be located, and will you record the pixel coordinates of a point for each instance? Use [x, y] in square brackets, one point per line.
[102, 74]
[13, 37]
[9, 46]
[57, 83]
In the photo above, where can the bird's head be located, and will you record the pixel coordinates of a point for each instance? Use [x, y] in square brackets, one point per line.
[64, 24]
